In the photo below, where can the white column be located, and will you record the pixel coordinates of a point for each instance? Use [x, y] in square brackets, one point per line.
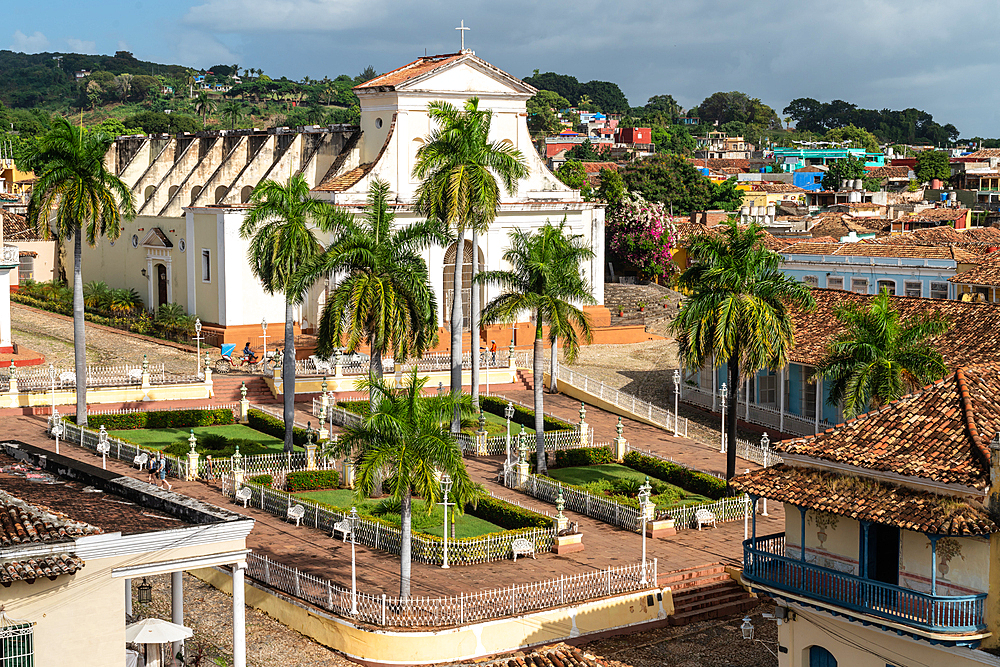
[170, 280]
[150, 284]
[5, 337]
[176, 609]
[191, 255]
[819, 402]
[781, 398]
[128, 597]
[239, 618]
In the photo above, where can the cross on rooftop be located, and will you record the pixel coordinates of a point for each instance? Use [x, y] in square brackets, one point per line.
[462, 28]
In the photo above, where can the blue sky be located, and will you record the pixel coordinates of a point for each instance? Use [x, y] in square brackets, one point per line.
[935, 56]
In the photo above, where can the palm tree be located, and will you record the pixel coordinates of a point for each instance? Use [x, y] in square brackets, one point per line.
[84, 199]
[737, 312]
[544, 279]
[204, 106]
[232, 112]
[458, 167]
[876, 358]
[384, 298]
[279, 226]
[402, 446]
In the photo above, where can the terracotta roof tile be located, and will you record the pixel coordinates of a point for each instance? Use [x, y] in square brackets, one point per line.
[410, 70]
[866, 499]
[936, 215]
[986, 273]
[596, 167]
[776, 187]
[890, 172]
[881, 250]
[16, 227]
[984, 153]
[972, 338]
[971, 239]
[22, 523]
[36, 568]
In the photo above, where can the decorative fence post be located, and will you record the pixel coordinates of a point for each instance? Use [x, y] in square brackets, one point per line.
[338, 370]
[621, 444]
[324, 407]
[510, 354]
[584, 427]
[208, 377]
[481, 435]
[310, 449]
[348, 473]
[146, 384]
[192, 469]
[244, 404]
[523, 469]
[237, 463]
[12, 389]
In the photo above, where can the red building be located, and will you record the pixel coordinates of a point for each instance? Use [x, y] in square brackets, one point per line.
[634, 135]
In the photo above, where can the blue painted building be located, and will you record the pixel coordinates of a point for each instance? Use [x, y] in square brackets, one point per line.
[793, 159]
[808, 178]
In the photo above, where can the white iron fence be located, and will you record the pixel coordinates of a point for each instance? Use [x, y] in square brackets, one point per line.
[39, 378]
[586, 503]
[553, 441]
[763, 415]
[486, 605]
[380, 535]
[118, 449]
[737, 508]
[428, 363]
[662, 418]
[759, 454]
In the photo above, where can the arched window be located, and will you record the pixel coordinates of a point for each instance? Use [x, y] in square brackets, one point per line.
[150, 189]
[171, 192]
[195, 191]
[820, 657]
[449, 281]
[245, 193]
[220, 193]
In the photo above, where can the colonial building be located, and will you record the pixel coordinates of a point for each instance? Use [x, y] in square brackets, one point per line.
[192, 192]
[889, 551]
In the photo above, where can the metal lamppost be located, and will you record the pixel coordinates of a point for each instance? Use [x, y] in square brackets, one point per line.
[677, 393]
[747, 630]
[263, 325]
[724, 391]
[765, 444]
[198, 339]
[52, 379]
[446, 483]
[103, 446]
[353, 518]
[508, 412]
[57, 427]
[645, 492]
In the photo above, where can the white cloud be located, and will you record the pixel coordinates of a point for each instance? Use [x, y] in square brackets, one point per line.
[200, 49]
[123, 45]
[283, 15]
[29, 43]
[81, 46]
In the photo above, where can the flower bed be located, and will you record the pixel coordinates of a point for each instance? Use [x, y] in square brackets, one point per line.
[312, 480]
[621, 484]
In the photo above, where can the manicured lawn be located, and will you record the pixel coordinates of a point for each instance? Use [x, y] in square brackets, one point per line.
[158, 438]
[465, 526]
[668, 496]
[496, 425]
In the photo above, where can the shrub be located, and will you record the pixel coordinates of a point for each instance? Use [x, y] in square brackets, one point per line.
[164, 419]
[583, 456]
[505, 515]
[262, 480]
[522, 415]
[311, 480]
[265, 423]
[687, 479]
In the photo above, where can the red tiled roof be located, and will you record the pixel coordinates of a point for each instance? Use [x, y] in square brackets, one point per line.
[557, 655]
[936, 214]
[984, 153]
[972, 338]
[883, 250]
[35, 568]
[987, 273]
[890, 172]
[866, 499]
[410, 70]
[936, 433]
[974, 239]
[595, 167]
[16, 227]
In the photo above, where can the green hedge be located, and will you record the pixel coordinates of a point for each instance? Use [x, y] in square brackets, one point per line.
[312, 480]
[164, 419]
[217, 446]
[687, 479]
[505, 515]
[265, 423]
[263, 480]
[522, 415]
[583, 456]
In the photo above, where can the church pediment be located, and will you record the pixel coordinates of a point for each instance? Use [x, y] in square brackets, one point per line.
[155, 238]
[459, 73]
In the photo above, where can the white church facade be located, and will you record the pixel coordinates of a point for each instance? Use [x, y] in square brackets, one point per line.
[192, 190]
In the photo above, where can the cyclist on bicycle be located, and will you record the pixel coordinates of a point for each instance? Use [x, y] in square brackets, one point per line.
[248, 354]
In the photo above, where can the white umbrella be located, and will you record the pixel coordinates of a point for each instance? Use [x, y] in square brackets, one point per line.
[156, 631]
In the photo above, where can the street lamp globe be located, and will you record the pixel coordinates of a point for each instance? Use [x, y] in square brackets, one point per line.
[747, 628]
[446, 483]
[197, 325]
[508, 412]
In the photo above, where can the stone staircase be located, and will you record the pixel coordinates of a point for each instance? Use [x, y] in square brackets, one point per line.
[705, 592]
[227, 389]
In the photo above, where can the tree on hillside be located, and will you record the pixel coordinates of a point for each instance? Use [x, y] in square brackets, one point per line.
[858, 137]
[726, 107]
[850, 169]
[932, 164]
[665, 105]
[561, 84]
[542, 110]
[605, 96]
[367, 74]
[737, 312]
[204, 105]
[85, 200]
[670, 180]
[878, 358]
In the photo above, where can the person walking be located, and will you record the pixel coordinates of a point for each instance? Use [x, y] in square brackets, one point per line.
[493, 353]
[163, 474]
[154, 465]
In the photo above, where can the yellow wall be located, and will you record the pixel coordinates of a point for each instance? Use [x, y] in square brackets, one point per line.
[957, 573]
[206, 236]
[435, 647]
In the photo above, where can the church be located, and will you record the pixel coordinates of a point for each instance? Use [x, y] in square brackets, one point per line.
[192, 192]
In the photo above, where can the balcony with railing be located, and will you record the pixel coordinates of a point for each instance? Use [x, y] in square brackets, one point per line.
[9, 256]
[766, 564]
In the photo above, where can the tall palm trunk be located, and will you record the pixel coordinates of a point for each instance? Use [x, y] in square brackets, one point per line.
[406, 538]
[474, 341]
[79, 332]
[733, 392]
[288, 374]
[536, 367]
[553, 366]
[456, 328]
[375, 372]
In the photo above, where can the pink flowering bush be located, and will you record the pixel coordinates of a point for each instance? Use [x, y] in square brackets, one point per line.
[640, 234]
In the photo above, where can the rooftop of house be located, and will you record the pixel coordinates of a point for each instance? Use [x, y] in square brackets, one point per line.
[972, 338]
[16, 227]
[719, 163]
[936, 214]
[687, 230]
[596, 167]
[861, 249]
[776, 187]
[973, 238]
[892, 173]
[557, 655]
[984, 153]
[409, 71]
[986, 273]
[866, 499]
[811, 169]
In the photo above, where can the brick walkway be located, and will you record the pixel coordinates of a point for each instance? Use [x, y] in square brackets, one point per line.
[314, 551]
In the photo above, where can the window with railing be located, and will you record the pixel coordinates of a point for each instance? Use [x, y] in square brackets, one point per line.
[26, 268]
[859, 285]
[16, 643]
[835, 282]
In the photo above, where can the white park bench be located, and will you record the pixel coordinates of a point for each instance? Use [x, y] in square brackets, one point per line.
[522, 547]
[296, 512]
[141, 460]
[135, 375]
[244, 494]
[321, 365]
[704, 518]
[67, 377]
[342, 526]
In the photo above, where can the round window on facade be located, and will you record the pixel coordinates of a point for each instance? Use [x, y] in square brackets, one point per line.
[182, 244]
[378, 123]
[135, 240]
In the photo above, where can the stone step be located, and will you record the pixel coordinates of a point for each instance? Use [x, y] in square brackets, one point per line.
[690, 602]
[719, 611]
[693, 576]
